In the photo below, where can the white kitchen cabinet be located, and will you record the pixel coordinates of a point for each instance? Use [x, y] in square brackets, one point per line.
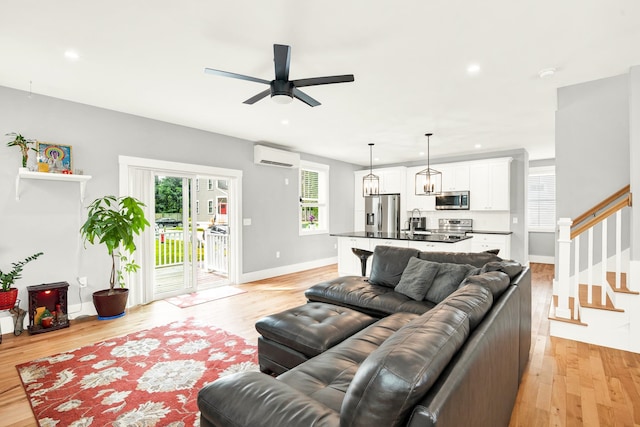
[463, 246]
[392, 180]
[455, 176]
[484, 242]
[489, 185]
[348, 263]
[387, 242]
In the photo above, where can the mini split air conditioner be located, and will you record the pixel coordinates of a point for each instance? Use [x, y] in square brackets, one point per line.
[263, 155]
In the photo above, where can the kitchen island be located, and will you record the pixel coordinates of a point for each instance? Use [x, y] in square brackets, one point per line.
[349, 264]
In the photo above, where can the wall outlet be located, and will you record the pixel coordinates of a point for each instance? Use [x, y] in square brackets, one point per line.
[277, 254]
[246, 221]
[82, 281]
[335, 246]
[515, 219]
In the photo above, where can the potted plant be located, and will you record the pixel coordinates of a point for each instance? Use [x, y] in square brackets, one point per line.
[8, 294]
[114, 221]
[23, 143]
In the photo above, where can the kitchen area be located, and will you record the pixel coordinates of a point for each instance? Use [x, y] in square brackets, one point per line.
[471, 214]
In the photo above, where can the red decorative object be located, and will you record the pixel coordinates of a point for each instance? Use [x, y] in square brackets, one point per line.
[52, 296]
[8, 299]
[151, 377]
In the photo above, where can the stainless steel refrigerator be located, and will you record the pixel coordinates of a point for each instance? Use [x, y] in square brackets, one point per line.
[382, 213]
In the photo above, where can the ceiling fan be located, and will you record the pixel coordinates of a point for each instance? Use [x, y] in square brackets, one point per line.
[283, 90]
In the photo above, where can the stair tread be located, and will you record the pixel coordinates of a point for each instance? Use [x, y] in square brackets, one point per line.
[596, 299]
[573, 320]
[623, 289]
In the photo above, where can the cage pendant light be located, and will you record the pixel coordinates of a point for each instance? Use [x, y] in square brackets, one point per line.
[370, 182]
[428, 181]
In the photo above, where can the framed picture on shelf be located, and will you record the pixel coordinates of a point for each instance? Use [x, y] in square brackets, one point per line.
[54, 158]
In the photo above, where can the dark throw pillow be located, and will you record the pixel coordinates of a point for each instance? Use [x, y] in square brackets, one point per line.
[417, 278]
[448, 279]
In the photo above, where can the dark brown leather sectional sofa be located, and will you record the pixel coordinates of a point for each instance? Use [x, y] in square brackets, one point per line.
[455, 361]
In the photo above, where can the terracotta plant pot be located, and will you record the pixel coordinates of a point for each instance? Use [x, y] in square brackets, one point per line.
[8, 299]
[110, 305]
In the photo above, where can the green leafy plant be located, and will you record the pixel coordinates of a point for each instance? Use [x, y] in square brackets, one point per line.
[115, 221]
[23, 143]
[8, 279]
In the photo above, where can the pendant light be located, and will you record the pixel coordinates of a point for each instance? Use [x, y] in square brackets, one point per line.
[371, 182]
[428, 181]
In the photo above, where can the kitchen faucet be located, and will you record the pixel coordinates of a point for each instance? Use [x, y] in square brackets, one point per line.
[412, 226]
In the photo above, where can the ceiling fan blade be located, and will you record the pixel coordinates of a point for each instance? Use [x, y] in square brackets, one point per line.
[281, 59]
[257, 97]
[235, 76]
[305, 98]
[323, 80]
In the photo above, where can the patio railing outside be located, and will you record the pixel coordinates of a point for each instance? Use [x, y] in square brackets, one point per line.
[213, 250]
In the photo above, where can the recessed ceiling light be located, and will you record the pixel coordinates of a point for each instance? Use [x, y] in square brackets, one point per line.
[421, 153]
[473, 69]
[377, 159]
[478, 145]
[71, 55]
[284, 122]
[546, 72]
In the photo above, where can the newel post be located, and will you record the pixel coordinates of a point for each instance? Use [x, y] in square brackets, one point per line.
[564, 267]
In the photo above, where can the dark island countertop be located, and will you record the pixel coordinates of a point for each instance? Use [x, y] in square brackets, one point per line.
[400, 236]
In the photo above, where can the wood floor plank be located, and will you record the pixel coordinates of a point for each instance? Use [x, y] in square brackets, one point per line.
[566, 383]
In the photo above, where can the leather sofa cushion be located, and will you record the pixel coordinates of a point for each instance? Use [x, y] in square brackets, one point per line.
[511, 268]
[327, 376]
[495, 281]
[417, 278]
[477, 259]
[356, 292]
[312, 328]
[388, 264]
[398, 374]
[475, 300]
[448, 279]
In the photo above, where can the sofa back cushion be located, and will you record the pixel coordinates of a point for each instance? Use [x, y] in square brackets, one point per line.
[511, 268]
[388, 264]
[477, 259]
[394, 377]
[495, 281]
[475, 300]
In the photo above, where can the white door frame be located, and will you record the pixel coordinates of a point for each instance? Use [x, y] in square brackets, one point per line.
[141, 288]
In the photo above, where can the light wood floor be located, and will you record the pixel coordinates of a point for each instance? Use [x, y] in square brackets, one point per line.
[566, 383]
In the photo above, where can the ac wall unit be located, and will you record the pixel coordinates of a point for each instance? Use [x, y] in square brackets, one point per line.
[263, 155]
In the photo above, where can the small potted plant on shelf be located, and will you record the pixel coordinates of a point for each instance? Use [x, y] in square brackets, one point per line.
[9, 294]
[23, 143]
[115, 221]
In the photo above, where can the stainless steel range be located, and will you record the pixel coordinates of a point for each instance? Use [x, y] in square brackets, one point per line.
[449, 229]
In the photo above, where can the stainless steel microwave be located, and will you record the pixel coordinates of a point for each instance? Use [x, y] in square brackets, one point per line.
[453, 200]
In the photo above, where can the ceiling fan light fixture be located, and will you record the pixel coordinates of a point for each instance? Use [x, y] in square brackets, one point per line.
[282, 99]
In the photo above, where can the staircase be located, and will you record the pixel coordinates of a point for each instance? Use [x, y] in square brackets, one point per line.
[593, 301]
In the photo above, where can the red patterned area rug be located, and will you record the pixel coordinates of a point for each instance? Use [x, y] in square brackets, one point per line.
[148, 378]
[195, 298]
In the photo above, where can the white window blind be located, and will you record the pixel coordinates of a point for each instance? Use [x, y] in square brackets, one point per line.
[314, 195]
[542, 200]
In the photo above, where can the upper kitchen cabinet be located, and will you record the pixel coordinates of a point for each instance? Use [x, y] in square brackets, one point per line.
[392, 180]
[489, 185]
[455, 177]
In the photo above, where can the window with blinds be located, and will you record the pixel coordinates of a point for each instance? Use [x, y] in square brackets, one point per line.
[314, 184]
[542, 199]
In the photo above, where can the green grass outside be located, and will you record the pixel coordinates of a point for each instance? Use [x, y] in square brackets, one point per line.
[174, 251]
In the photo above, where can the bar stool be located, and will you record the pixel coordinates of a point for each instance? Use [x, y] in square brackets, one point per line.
[363, 255]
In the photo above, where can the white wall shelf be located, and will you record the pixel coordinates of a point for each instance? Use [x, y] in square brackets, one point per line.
[24, 173]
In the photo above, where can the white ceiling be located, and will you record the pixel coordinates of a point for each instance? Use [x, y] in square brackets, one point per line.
[409, 59]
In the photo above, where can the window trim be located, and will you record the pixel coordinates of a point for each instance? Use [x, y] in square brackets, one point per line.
[323, 197]
[538, 171]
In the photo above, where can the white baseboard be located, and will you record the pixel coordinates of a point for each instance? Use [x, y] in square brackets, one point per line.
[542, 259]
[286, 269]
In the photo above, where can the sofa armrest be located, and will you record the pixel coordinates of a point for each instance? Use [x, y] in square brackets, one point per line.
[255, 399]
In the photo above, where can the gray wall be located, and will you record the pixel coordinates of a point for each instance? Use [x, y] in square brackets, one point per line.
[592, 147]
[519, 172]
[634, 155]
[49, 214]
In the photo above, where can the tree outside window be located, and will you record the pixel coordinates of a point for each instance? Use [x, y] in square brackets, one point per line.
[314, 180]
